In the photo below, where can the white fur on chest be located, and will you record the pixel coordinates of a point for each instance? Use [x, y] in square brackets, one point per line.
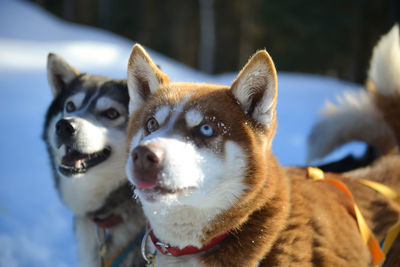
[180, 226]
[88, 194]
[183, 261]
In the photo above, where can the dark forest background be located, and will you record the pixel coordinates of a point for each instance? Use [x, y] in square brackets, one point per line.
[332, 38]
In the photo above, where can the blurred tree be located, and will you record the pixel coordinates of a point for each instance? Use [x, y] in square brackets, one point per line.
[324, 37]
[327, 37]
[207, 35]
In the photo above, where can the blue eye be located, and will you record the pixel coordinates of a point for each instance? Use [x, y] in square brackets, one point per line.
[206, 130]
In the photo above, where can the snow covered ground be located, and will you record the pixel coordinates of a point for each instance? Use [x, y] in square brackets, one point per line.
[35, 228]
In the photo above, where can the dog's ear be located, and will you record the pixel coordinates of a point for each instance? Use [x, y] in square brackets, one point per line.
[255, 88]
[59, 73]
[144, 77]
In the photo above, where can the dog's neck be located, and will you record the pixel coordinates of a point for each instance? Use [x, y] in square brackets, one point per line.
[92, 192]
[115, 225]
[180, 226]
[257, 229]
[111, 203]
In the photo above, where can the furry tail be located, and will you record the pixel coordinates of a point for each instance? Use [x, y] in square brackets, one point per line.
[370, 116]
[384, 69]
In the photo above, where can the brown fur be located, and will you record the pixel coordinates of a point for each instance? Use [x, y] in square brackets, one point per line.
[319, 230]
[382, 134]
[390, 109]
[385, 170]
[393, 257]
[389, 106]
[283, 218]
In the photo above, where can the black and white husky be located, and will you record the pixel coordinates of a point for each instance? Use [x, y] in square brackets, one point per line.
[85, 136]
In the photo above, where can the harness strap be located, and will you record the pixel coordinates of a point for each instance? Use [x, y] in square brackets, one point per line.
[391, 194]
[369, 239]
[383, 189]
[120, 256]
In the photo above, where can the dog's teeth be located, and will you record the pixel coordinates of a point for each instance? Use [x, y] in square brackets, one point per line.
[78, 164]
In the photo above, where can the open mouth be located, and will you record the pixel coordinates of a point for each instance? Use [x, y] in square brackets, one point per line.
[75, 162]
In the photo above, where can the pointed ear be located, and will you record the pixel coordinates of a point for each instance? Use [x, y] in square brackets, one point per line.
[255, 88]
[59, 73]
[144, 77]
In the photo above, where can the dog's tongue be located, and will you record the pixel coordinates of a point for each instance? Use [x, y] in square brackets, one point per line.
[142, 184]
[73, 158]
[145, 179]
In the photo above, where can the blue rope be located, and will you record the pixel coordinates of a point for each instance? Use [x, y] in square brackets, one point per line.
[126, 251]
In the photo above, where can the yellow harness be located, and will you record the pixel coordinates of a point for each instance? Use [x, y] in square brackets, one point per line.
[391, 194]
[377, 254]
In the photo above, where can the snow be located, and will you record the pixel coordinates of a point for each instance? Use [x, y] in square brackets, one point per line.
[35, 227]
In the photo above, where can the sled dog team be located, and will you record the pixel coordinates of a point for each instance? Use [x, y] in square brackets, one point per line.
[209, 191]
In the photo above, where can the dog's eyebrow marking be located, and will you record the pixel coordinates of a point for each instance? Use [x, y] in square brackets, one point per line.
[193, 117]
[91, 99]
[104, 103]
[177, 110]
[77, 99]
[162, 113]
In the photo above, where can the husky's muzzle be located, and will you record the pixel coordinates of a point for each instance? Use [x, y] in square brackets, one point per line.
[76, 161]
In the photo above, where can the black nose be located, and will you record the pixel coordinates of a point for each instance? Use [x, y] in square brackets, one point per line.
[65, 128]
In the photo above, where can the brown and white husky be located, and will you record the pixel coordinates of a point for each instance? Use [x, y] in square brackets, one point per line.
[211, 189]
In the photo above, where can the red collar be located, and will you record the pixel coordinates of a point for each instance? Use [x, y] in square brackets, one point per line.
[176, 252]
[107, 222]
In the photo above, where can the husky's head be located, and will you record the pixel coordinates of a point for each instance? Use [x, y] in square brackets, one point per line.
[198, 145]
[85, 124]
